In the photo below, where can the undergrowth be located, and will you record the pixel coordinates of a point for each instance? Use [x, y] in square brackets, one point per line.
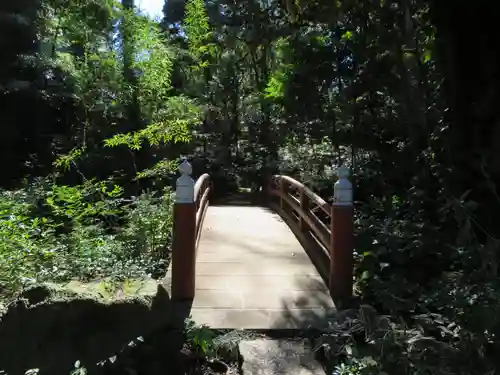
[426, 273]
[431, 301]
[53, 232]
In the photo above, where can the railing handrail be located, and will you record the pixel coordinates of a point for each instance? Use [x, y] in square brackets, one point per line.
[335, 236]
[302, 206]
[202, 187]
[199, 184]
[320, 202]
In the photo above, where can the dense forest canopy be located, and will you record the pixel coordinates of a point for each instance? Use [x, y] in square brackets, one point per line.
[99, 104]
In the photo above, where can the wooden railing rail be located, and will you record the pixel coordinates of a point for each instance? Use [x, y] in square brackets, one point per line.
[202, 189]
[330, 226]
[298, 200]
[190, 207]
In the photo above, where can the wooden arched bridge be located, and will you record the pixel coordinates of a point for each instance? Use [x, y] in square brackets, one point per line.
[280, 265]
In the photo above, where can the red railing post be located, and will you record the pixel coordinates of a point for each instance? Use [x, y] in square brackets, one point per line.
[184, 236]
[342, 238]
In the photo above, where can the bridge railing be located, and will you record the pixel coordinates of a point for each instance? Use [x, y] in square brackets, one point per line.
[309, 216]
[190, 207]
[315, 221]
[202, 189]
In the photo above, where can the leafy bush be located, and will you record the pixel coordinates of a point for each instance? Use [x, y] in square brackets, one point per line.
[53, 232]
[311, 163]
[440, 292]
[150, 223]
[364, 342]
[424, 261]
[26, 242]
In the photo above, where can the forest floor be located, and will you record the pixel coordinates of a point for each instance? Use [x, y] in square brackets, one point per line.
[230, 352]
[167, 350]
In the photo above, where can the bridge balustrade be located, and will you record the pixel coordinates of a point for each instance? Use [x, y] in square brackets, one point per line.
[311, 218]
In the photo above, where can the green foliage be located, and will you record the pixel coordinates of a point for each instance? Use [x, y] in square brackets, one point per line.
[309, 162]
[170, 119]
[256, 87]
[201, 338]
[277, 83]
[209, 343]
[154, 134]
[154, 64]
[77, 203]
[149, 225]
[102, 88]
[275, 87]
[22, 239]
[81, 232]
[65, 161]
[159, 170]
[100, 80]
[197, 28]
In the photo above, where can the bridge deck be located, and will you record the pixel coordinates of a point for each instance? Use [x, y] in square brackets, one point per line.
[252, 273]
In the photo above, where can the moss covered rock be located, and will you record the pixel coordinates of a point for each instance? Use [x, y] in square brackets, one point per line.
[51, 326]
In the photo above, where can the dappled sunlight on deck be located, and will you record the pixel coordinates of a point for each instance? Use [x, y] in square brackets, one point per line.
[251, 272]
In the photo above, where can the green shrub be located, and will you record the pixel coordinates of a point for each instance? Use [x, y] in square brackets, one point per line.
[57, 233]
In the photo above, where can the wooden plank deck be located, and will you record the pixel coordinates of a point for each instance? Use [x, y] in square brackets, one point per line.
[252, 273]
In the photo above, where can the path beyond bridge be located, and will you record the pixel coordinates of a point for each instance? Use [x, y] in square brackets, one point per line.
[243, 266]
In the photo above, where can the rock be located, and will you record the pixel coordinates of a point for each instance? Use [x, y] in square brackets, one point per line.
[52, 326]
[217, 366]
[276, 357]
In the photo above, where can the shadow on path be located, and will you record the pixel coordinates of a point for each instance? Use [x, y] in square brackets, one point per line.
[239, 199]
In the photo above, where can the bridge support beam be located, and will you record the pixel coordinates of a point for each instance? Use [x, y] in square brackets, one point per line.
[184, 237]
[342, 238]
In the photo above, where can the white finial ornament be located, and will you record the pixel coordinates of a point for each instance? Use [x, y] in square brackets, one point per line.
[184, 192]
[185, 168]
[342, 172]
[342, 188]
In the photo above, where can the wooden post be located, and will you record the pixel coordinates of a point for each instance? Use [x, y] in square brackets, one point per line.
[342, 239]
[184, 237]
